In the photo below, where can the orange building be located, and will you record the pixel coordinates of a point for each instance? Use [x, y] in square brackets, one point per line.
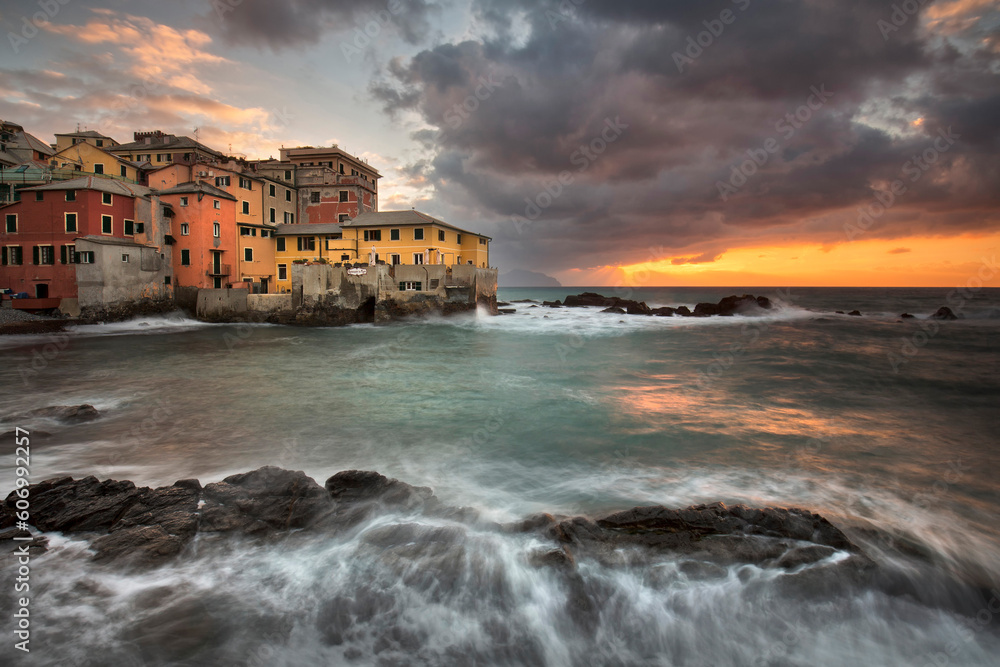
[205, 252]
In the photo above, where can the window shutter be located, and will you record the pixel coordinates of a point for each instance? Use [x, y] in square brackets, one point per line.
[62, 254]
[4, 259]
[90, 256]
[34, 255]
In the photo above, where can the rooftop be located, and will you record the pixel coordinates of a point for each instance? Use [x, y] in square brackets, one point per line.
[322, 229]
[402, 219]
[159, 141]
[197, 188]
[96, 183]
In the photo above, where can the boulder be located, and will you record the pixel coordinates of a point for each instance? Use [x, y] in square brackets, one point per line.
[663, 312]
[683, 311]
[264, 500]
[855, 313]
[614, 309]
[553, 304]
[906, 316]
[944, 313]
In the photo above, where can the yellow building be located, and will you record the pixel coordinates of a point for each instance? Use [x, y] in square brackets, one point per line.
[64, 141]
[89, 159]
[298, 244]
[411, 237]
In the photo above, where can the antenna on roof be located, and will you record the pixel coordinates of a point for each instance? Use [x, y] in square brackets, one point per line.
[196, 134]
[77, 127]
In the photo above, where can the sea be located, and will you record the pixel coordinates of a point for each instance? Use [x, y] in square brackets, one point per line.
[886, 426]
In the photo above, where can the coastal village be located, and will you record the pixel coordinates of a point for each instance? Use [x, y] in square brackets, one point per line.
[94, 228]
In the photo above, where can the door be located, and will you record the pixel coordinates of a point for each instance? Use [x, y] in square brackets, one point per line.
[263, 285]
[41, 291]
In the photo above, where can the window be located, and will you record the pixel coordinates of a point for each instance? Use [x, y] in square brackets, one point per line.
[343, 195]
[70, 223]
[98, 168]
[265, 233]
[307, 243]
[216, 204]
[185, 229]
[440, 236]
[411, 287]
[342, 167]
[271, 190]
[345, 258]
[393, 234]
[12, 255]
[43, 254]
[166, 280]
[106, 226]
[245, 183]
[458, 239]
[125, 258]
[71, 195]
[187, 157]
[216, 230]
[39, 195]
[124, 171]
[418, 258]
[395, 260]
[140, 228]
[418, 234]
[314, 197]
[129, 228]
[246, 208]
[222, 180]
[67, 254]
[247, 254]
[164, 157]
[185, 258]
[288, 195]
[282, 272]
[244, 231]
[273, 216]
[86, 257]
[100, 143]
[482, 241]
[107, 198]
[288, 175]
[287, 217]
[373, 235]
[184, 201]
[343, 218]
[280, 243]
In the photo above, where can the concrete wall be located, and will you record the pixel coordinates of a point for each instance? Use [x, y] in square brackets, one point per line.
[222, 304]
[269, 303]
[110, 281]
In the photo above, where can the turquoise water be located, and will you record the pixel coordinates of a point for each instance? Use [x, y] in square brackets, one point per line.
[886, 427]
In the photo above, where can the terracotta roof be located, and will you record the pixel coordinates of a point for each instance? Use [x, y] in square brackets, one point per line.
[197, 187]
[157, 144]
[96, 183]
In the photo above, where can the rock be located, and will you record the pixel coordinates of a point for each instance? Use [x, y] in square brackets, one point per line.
[683, 311]
[266, 499]
[69, 414]
[506, 311]
[855, 313]
[589, 299]
[638, 308]
[906, 316]
[764, 302]
[614, 309]
[523, 301]
[553, 304]
[354, 486]
[839, 312]
[663, 312]
[502, 304]
[944, 313]
[560, 559]
[705, 310]
[69, 505]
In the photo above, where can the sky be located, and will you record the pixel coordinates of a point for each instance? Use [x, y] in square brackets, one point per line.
[640, 142]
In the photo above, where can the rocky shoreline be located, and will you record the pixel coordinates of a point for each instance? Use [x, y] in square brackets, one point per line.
[144, 527]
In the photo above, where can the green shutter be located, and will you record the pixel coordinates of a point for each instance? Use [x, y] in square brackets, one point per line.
[3, 261]
[34, 255]
[62, 254]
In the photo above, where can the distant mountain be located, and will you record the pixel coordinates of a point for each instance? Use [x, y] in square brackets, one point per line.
[522, 278]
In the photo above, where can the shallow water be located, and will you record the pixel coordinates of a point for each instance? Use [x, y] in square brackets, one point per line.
[886, 427]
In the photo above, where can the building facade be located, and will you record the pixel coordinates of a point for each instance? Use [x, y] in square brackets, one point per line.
[204, 232]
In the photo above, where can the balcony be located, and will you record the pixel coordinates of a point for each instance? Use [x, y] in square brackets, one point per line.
[219, 271]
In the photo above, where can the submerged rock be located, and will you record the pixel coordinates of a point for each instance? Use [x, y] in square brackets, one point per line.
[944, 313]
[68, 414]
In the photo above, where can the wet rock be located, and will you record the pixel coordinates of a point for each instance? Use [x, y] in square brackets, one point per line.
[265, 499]
[906, 316]
[683, 311]
[663, 312]
[506, 311]
[69, 505]
[804, 556]
[614, 309]
[553, 304]
[944, 313]
[68, 414]
[523, 301]
[560, 559]
[855, 313]
[840, 312]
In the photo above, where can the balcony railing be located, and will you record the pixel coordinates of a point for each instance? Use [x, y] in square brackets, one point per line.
[219, 271]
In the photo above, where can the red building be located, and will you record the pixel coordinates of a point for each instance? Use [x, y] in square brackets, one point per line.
[37, 240]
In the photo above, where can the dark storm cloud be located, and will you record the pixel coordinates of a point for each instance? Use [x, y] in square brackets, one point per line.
[836, 94]
[295, 23]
